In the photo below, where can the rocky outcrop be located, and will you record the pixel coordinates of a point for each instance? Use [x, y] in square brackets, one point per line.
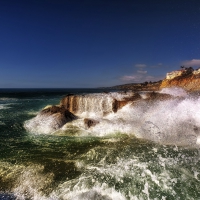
[70, 102]
[49, 120]
[90, 122]
[116, 105]
[104, 103]
[58, 112]
[155, 96]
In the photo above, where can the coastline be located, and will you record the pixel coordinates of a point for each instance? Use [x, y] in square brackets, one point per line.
[120, 140]
[187, 78]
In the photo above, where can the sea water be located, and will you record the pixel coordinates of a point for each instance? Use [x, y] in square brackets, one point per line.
[144, 151]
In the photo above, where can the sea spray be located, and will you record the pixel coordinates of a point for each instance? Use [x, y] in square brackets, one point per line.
[25, 182]
[42, 125]
[138, 171]
[91, 105]
[170, 121]
[99, 103]
[174, 121]
[100, 162]
[174, 91]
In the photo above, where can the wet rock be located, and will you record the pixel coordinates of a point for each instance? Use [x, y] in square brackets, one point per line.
[49, 120]
[103, 103]
[153, 96]
[90, 122]
[116, 105]
[60, 111]
[119, 104]
[71, 102]
[105, 92]
[134, 97]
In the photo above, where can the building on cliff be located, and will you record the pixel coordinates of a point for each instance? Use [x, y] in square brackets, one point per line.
[182, 72]
[196, 72]
[174, 74]
[186, 78]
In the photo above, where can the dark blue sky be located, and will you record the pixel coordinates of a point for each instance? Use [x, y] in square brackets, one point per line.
[94, 43]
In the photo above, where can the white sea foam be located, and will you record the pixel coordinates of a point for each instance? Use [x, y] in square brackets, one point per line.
[27, 182]
[95, 103]
[175, 91]
[144, 94]
[7, 99]
[4, 106]
[32, 112]
[99, 181]
[82, 192]
[120, 96]
[130, 176]
[42, 124]
[175, 121]
[31, 182]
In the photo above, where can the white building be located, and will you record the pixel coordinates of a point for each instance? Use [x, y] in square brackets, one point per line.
[174, 74]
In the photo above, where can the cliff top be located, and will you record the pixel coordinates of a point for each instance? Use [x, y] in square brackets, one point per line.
[187, 78]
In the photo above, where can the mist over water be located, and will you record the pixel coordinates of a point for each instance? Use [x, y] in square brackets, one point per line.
[173, 121]
[145, 150]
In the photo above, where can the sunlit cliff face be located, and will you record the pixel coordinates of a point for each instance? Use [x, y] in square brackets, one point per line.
[188, 79]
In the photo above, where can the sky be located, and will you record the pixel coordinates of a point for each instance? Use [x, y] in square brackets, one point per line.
[95, 43]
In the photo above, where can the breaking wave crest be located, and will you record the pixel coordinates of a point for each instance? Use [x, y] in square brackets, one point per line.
[172, 121]
[113, 159]
[108, 173]
[174, 91]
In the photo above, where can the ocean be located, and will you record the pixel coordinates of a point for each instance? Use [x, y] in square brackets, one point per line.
[143, 151]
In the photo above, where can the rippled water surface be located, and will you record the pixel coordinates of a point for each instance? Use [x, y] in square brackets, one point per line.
[143, 152]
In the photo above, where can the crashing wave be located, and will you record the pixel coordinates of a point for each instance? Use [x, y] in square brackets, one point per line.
[50, 119]
[167, 120]
[174, 91]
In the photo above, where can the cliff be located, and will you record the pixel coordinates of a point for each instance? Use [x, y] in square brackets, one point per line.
[187, 79]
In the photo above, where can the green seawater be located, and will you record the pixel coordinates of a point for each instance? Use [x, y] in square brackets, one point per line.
[115, 166]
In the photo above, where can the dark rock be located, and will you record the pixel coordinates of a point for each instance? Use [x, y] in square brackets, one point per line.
[116, 105]
[90, 122]
[134, 97]
[152, 96]
[59, 111]
[119, 104]
[49, 120]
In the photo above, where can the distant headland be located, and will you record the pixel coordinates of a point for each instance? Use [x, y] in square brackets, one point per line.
[186, 78]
